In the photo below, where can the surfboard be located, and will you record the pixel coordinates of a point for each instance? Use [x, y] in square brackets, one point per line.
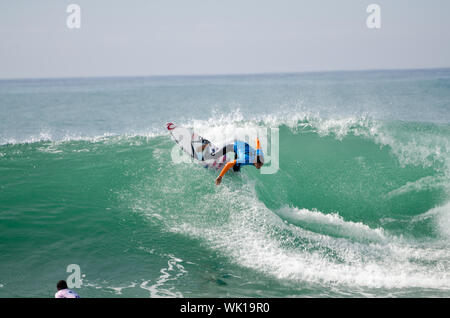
[191, 143]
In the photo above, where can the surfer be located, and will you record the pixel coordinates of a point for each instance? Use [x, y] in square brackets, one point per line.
[204, 151]
[244, 155]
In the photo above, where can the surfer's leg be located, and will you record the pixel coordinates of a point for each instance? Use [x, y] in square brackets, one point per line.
[205, 143]
[213, 153]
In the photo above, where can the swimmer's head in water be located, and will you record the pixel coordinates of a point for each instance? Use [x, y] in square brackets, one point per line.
[61, 285]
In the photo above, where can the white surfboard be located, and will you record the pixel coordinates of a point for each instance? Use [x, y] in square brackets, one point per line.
[191, 143]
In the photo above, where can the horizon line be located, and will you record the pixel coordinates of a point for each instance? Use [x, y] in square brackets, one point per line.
[225, 74]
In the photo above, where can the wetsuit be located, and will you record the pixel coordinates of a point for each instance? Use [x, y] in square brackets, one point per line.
[244, 155]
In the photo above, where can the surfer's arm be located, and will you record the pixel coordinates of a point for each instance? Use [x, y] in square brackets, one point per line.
[225, 169]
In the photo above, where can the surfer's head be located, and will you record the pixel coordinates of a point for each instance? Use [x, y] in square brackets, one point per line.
[259, 162]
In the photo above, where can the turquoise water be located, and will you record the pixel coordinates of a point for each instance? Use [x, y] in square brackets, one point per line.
[360, 204]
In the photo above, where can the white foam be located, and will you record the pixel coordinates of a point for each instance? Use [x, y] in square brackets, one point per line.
[256, 238]
[173, 271]
[422, 184]
[42, 136]
[441, 218]
[118, 290]
[224, 128]
[332, 223]
[342, 127]
[55, 139]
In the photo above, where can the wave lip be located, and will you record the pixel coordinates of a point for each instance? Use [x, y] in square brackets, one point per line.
[54, 139]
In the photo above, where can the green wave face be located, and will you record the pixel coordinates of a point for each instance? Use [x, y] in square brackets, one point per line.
[356, 208]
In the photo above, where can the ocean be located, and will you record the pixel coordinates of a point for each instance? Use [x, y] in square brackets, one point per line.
[359, 205]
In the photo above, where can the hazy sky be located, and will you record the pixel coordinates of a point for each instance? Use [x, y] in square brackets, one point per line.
[162, 37]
